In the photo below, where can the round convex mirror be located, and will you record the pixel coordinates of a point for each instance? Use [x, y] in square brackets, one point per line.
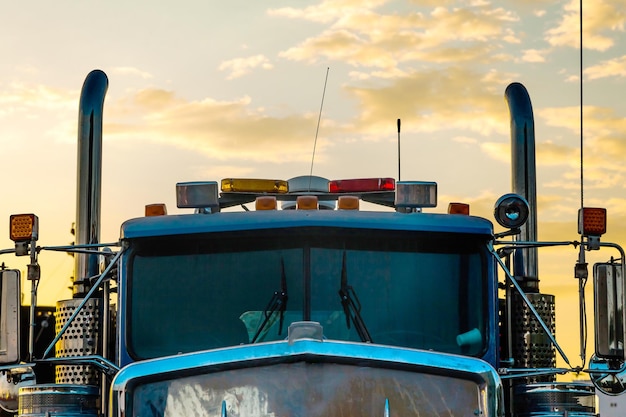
[608, 376]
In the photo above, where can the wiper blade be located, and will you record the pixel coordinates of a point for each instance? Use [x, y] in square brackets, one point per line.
[278, 302]
[352, 305]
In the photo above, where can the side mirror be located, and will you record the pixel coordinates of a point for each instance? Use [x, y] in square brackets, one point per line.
[10, 299]
[608, 289]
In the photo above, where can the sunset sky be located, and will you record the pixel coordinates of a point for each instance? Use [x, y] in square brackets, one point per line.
[204, 90]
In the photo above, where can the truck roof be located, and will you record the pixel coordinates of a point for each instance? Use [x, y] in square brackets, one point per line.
[184, 224]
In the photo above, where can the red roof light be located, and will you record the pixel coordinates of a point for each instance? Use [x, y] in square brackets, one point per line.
[362, 185]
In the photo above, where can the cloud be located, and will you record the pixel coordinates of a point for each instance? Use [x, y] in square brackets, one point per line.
[498, 151]
[604, 136]
[224, 130]
[465, 140]
[534, 55]
[365, 38]
[328, 10]
[132, 72]
[599, 121]
[602, 19]
[21, 97]
[549, 153]
[46, 114]
[239, 67]
[433, 100]
[615, 67]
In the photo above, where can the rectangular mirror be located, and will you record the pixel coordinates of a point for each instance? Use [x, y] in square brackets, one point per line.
[10, 298]
[608, 289]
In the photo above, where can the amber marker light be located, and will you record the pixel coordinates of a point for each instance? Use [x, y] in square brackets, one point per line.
[348, 202]
[158, 209]
[592, 221]
[266, 202]
[248, 185]
[23, 227]
[459, 208]
[306, 202]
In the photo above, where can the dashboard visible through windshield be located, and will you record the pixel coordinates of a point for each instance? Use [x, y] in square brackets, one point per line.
[410, 289]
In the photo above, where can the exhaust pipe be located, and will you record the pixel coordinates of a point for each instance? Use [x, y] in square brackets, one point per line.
[89, 175]
[524, 177]
[531, 346]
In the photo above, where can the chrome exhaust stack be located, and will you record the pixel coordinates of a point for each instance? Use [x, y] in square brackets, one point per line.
[524, 178]
[89, 176]
[531, 346]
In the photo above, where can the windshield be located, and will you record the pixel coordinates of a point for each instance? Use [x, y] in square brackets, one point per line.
[407, 289]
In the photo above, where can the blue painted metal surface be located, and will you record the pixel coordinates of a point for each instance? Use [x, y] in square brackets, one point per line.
[235, 221]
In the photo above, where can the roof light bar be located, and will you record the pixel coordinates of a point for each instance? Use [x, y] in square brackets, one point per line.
[198, 194]
[416, 194]
[361, 185]
[592, 221]
[23, 227]
[250, 185]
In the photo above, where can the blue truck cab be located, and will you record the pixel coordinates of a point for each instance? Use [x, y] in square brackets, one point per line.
[202, 281]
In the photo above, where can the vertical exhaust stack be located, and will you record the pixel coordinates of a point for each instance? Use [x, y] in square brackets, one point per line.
[89, 176]
[524, 177]
[89, 169]
[531, 347]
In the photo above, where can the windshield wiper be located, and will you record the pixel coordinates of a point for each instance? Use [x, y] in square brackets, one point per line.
[278, 302]
[352, 305]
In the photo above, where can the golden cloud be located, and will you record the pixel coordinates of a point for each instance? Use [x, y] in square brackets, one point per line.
[601, 19]
[131, 71]
[25, 97]
[364, 38]
[534, 55]
[225, 130]
[239, 67]
[328, 10]
[609, 68]
[455, 99]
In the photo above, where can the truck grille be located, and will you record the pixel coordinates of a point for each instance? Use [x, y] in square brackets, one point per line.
[310, 390]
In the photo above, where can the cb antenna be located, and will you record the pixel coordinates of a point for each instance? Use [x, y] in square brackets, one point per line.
[398, 149]
[318, 127]
[581, 266]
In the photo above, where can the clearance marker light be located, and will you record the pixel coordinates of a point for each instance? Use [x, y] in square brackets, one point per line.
[248, 185]
[362, 185]
[307, 202]
[200, 194]
[158, 209]
[23, 227]
[592, 221]
[266, 202]
[416, 194]
[458, 208]
[348, 202]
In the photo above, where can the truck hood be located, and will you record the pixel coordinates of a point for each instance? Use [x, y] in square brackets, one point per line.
[308, 378]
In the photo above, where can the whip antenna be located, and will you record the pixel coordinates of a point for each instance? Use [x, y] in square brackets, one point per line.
[398, 149]
[318, 128]
[581, 105]
[581, 266]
